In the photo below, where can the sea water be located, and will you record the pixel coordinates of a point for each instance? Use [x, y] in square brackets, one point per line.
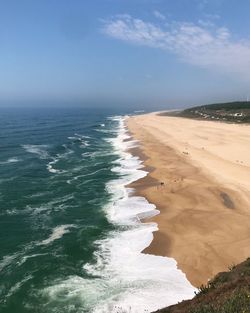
[71, 239]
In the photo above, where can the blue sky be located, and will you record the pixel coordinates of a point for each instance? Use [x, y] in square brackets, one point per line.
[152, 53]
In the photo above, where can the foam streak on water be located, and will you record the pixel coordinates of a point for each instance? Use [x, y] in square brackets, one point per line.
[57, 233]
[40, 150]
[151, 282]
[122, 278]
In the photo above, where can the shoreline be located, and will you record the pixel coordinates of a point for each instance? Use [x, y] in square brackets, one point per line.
[200, 212]
[140, 282]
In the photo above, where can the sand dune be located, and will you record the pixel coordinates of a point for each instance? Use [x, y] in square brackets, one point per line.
[205, 200]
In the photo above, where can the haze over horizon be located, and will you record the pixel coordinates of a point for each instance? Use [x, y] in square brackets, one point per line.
[151, 54]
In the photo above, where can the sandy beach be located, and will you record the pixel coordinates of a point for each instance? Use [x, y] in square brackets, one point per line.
[204, 198]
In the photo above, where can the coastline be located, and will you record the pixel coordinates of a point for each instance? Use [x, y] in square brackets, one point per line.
[136, 282]
[204, 213]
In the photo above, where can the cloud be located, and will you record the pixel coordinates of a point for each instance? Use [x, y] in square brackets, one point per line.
[201, 4]
[212, 16]
[202, 44]
[159, 15]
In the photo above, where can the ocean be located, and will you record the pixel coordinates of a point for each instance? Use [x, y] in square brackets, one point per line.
[70, 230]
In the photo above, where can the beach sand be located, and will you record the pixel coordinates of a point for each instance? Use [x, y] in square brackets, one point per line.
[204, 203]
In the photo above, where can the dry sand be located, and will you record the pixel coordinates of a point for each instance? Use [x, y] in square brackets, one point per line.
[204, 220]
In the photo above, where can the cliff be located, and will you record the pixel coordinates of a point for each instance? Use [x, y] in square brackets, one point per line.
[228, 292]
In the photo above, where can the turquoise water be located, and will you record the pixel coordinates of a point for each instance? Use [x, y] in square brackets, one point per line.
[70, 235]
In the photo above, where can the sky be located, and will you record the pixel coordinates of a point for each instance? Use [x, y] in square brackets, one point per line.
[137, 53]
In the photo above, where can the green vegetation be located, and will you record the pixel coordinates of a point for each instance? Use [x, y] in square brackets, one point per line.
[203, 289]
[236, 112]
[239, 302]
[237, 105]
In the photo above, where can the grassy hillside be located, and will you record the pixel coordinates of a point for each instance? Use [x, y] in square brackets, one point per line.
[236, 112]
[237, 105]
[228, 292]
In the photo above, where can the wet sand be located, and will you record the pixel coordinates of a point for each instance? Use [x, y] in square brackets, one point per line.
[204, 198]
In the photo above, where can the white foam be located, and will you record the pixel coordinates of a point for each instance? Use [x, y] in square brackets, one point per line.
[10, 160]
[29, 210]
[57, 233]
[74, 179]
[14, 259]
[96, 154]
[67, 153]
[51, 169]
[38, 194]
[26, 257]
[124, 278]
[105, 131]
[18, 285]
[82, 136]
[157, 281]
[7, 260]
[81, 139]
[40, 150]
[84, 144]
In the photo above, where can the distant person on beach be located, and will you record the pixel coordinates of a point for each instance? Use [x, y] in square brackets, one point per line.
[162, 185]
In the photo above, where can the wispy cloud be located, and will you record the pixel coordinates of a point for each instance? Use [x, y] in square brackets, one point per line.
[202, 44]
[201, 4]
[159, 15]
